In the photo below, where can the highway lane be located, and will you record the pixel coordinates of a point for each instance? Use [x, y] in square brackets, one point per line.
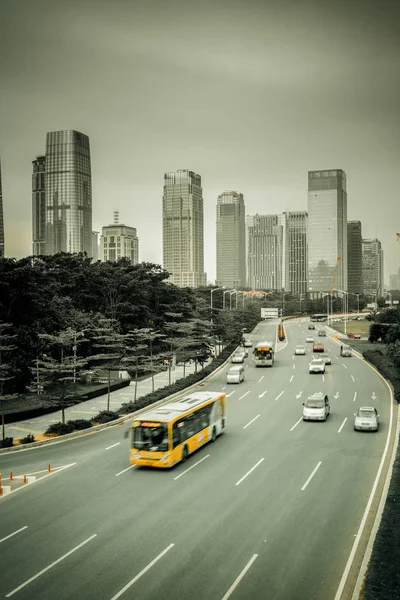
[216, 525]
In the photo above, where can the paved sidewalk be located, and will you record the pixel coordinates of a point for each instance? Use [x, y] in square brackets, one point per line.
[88, 409]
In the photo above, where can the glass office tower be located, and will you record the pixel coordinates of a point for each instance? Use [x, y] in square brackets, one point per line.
[354, 257]
[231, 239]
[68, 184]
[372, 268]
[297, 249]
[39, 206]
[327, 231]
[266, 252]
[183, 229]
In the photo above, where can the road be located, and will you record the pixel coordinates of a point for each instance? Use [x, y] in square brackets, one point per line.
[270, 511]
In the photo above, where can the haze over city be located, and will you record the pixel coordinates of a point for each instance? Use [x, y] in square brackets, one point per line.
[251, 96]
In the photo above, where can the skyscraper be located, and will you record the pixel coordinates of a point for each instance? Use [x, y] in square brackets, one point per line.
[266, 252]
[183, 230]
[39, 206]
[297, 250]
[372, 267]
[1, 220]
[118, 241]
[231, 239]
[68, 189]
[354, 257]
[327, 230]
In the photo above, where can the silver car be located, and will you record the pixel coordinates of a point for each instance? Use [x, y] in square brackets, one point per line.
[366, 419]
[309, 340]
[326, 358]
[238, 357]
[317, 365]
[322, 333]
[316, 407]
[300, 349]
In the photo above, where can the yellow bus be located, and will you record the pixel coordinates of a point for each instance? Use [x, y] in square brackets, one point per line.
[167, 434]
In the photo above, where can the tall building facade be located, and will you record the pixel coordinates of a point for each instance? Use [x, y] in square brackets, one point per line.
[95, 245]
[119, 241]
[394, 281]
[327, 231]
[372, 267]
[39, 206]
[68, 191]
[231, 240]
[1, 219]
[354, 257]
[297, 251]
[266, 252]
[183, 228]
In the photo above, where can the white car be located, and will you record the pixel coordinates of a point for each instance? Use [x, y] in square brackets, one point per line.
[238, 357]
[326, 358]
[300, 350]
[316, 407]
[235, 374]
[317, 365]
[366, 419]
[247, 343]
[309, 340]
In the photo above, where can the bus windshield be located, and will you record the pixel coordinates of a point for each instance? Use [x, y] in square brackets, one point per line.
[153, 438]
[261, 353]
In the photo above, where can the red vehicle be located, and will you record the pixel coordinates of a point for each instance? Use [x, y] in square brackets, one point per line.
[354, 336]
[318, 347]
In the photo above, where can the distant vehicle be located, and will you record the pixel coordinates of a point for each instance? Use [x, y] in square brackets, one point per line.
[322, 333]
[319, 317]
[235, 374]
[311, 326]
[354, 336]
[317, 365]
[264, 354]
[300, 350]
[366, 419]
[326, 358]
[247, 343]
[316, 407]
[309, 340]
[318, 347]
[238, 357]
[345, 350]
[166, 435]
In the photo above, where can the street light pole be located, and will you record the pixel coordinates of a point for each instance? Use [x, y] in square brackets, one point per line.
[230, 298]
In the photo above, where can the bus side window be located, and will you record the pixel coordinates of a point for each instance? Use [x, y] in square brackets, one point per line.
[176, 434]
[204, 418]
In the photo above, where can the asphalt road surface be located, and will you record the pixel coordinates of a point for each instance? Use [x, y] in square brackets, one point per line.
[270, 511]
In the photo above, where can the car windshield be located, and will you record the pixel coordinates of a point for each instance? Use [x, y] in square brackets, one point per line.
[152, 438]
[318, 361]
[369, 414]
[314, 403]
[299, 347]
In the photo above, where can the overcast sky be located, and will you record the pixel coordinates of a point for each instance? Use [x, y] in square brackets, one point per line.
[249, 94]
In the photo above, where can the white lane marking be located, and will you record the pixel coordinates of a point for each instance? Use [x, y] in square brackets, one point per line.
[34, 480]
[337, 357]
[14, 533]
[277, 398]
[249, 423]
[329, 350]
[299, 395]
[244, 395]
[125, 470]
[248, 472]
[342, 425]
[344, 366]
[355, 396]
[53, 564]
[224, 387]
[373, 396]
[323, 378]
[230, 394]
[352, 378]
[263, 394]
[291, 379]
[295, 425]
[142, 572]
[311, 476]
[336, 396]
[239, 577]
[261, 378]
[113, 446]
[192, 467]
[294, 366]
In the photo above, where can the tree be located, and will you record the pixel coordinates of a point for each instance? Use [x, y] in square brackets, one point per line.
[6, 348]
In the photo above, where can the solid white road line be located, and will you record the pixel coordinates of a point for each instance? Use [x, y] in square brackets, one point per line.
[113, 446]
[342, 425]
[323, 378]
[311, 476]
[277, 398]
[248, 472]
[14, 533]
[125, 470]
[244, 395]
[355, 396]
[53, 564]
[352, 378]
[192, 467]
[142, 572]
[230, 394]
[344, 366]
[249, 423]
[261, 378]
[295, 425]
[291, 379]
[294, 366]
[239, 577]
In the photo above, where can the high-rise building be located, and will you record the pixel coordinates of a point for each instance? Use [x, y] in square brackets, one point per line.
[394, 281]
[39, 206]
[266, 252]
[354, 257]
[231, 239]
[372, 267]
[1, 219]
[183, 229]
[327, 231]
[95, 245]
[118, 241]
[68, 190]
[297, 251]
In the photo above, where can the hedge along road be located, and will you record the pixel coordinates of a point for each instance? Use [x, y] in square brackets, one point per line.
[273, 505]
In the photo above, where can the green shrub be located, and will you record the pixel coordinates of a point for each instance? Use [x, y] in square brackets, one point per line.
[29, 439]
[59, 428]
[8, 442]
[386, 367]
[105, 416]
[79, 424]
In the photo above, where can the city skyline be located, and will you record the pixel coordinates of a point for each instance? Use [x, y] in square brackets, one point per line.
[304, 92]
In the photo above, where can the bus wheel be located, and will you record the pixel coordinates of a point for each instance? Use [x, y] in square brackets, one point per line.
[184, 453]
[214, 435]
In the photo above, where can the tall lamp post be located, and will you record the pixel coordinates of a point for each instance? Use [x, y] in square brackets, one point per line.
[345, 306]
[224, 303]
[211, 300]
[230, 298]
[358, 300]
